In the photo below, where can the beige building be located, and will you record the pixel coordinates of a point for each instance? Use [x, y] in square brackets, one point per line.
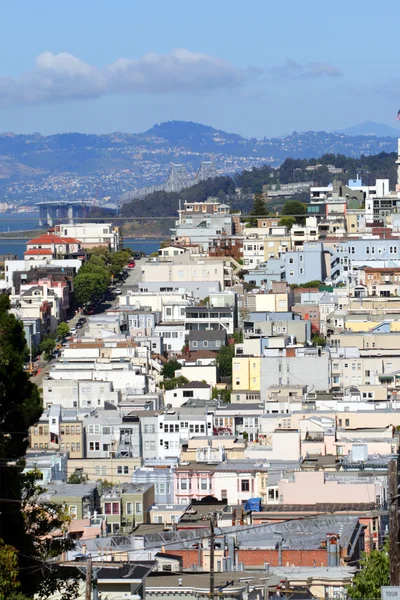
[115, 470]
[58, 430]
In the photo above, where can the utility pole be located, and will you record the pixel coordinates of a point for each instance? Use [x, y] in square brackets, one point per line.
[88, 590]
[394, 548]
[212, 539]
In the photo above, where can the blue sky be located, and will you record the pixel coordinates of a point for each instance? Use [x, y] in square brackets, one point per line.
[259, 68]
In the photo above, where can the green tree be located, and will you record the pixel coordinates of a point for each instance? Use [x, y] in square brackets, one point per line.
[287, 222]
[174, 382]
[314, 283]
[9, 571]
[20, 408]
[89, 288]
[41, 519]
[224, 394]
[94, 268]
[318, 340]
[296, 209]
[224, 360]
[258, 210]
[170, 367]
[62, 330]
[374, 573]
[47, 346]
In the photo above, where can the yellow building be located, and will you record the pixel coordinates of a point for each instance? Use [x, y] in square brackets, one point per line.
[246, 373]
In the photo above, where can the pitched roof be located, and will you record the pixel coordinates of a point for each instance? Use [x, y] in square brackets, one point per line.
[207, 334]
[52, 239]
[38, 251]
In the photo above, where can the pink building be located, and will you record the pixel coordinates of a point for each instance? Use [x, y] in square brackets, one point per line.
[193, 481]
[311, 487]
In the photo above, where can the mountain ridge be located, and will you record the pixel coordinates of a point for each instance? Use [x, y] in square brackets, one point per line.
[35, 167]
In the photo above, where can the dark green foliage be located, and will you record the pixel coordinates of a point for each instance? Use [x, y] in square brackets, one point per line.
[62, 330]
[170, 367]
[22, 528]
[224, 360]
[224, 394]
[47, 346]
[287, 222]
[296, 209]
[318, 340]
[89, 288]
[259, 210]
[374, 573]
[174, 382]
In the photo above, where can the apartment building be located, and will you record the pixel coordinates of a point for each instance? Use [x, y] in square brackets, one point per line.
[71, 393]
[92, 235]
[163, 433]
[198, 222]
[59, 429]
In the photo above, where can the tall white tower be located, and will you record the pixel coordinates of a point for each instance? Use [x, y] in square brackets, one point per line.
[398, 166]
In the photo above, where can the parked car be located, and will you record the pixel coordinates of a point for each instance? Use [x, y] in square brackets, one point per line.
[73, 331]
[82, 320]
[79, 325]
[117, 291]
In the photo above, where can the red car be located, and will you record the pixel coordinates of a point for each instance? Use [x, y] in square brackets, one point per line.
[131, 264]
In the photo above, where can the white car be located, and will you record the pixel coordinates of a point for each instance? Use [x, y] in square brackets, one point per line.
[118, 291]
[72, 331]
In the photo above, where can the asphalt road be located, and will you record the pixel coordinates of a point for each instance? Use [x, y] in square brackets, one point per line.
[134, 277]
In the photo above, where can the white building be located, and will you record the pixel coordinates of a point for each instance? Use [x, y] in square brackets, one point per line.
[194, 390]
[92, 235]
[72, 393]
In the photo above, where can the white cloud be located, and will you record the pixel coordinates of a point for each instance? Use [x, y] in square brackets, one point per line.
[293, 69]
[63, 76]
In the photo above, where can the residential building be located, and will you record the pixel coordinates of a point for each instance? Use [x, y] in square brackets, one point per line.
[91, 235]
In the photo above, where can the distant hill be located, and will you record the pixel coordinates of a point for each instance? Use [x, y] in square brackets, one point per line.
[35, 167]
[369, 128]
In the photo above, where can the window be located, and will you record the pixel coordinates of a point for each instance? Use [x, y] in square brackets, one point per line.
[138, 508]
[126, 470]
[204, 484]
[115, 508]
[245, 485]
[107, 508]
[347, 422]
[73, 511]
[129, 508]
[119, 470]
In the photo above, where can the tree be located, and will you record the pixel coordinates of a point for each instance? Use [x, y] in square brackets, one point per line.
[89, 288]
[259, 210]
[20, 408]
[224, 394]
[224, 360]
[287, 222]
[47, 346]
[41, 519]
[94, 268]
[174, 382]
[374, 573]
[318, 340]
[9, 572]
[170, 367]
[296, 209]
[62, 330]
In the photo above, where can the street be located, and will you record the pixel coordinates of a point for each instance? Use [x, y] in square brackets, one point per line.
[134, 277]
